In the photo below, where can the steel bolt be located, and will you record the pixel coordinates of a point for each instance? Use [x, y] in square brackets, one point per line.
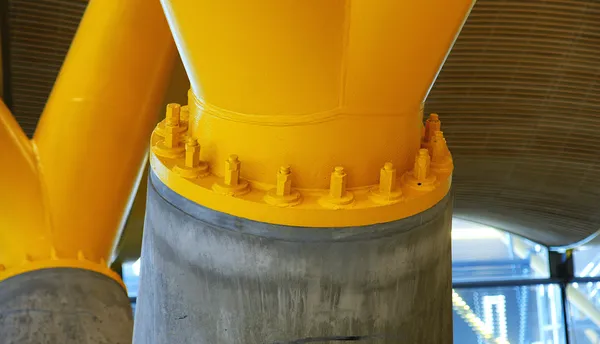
[432, 125]
[192, 153]
[387, 178]
[438, 147]
[184, 113]
[337, 188]
[173, 114]
[232, 171]
[284, 181]
[422, 162]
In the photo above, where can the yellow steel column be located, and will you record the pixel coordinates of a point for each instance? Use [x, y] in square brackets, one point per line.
[311, 106]
[90, 142]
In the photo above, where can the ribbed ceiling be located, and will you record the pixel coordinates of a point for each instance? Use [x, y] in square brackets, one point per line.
[520, 106]
[40, 33]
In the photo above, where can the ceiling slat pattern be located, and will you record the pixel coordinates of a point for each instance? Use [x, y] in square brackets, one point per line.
[519, 99]
[40, 33]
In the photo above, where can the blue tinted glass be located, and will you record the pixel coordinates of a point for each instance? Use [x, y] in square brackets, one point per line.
[524, 314]
[584, 312]
[482, 253]
[131, 277]
[587, 260]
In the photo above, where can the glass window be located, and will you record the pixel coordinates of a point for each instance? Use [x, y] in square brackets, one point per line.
[584, 314]
[131, 277]
[483, 253]
[516, 314]
[586, 260]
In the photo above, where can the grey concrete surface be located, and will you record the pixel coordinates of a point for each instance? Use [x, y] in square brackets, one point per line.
[212, 278]
[64, 306]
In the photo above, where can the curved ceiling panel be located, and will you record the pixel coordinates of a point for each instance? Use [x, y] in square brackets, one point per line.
[519, 99]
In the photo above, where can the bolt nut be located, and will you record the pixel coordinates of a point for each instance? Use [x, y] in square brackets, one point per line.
[432, 125]
[387, 179]
[232, 171]
[422, 162]
[184, 114]
[284, 181]
[438, 147]
[337, 188]
[232, 184]
[173, 115]
[192, 153]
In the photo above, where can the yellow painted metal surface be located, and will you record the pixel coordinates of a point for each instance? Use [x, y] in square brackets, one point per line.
[313, 85]
[26, 239]
[25, 223]
[68, 190]
[130, 244]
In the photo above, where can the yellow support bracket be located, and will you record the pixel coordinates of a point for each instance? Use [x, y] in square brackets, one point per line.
[308, 113]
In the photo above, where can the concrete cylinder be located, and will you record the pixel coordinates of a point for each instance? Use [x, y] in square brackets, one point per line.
[212, 278]
[64, 306]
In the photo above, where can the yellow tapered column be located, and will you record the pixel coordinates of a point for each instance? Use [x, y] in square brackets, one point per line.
[313, 85]
[88, 149]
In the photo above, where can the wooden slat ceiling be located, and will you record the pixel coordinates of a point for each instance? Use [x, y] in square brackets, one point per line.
[40, 33]
[518, 97]
[520, 106]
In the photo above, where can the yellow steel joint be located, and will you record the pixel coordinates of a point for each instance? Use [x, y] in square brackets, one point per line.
[309, 113]
[69, 190]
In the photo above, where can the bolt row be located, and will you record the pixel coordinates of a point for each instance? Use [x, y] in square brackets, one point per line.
[434, 155]
[28, 258]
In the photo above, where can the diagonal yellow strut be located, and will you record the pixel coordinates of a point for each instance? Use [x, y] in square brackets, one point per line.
[64, 194]
[24, 223]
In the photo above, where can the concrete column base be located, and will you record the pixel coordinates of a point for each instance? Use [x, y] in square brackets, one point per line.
[64, 306]
[212, 278]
